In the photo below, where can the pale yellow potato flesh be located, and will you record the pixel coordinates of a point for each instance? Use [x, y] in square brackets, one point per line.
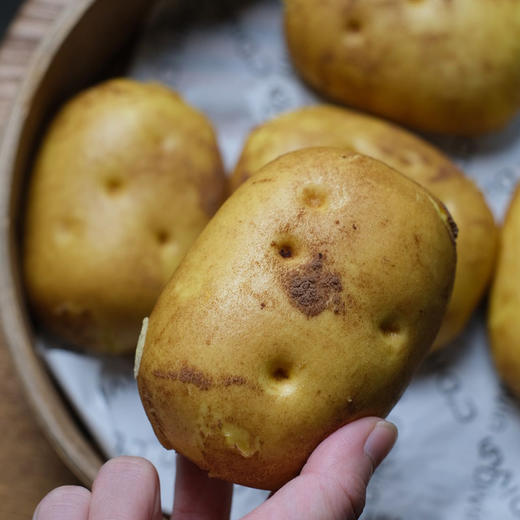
[437, 65]
[504, 306]
[307, 302]
[326, 125]
[125, 179]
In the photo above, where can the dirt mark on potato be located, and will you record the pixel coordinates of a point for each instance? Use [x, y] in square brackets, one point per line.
[187, 374]
[312, 288]
[203, 381]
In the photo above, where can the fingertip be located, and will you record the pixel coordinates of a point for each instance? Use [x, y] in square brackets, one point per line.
[380, 441]
[348, 439]
[332, 484]
[64, 503]
[137, 467]
[126, 486]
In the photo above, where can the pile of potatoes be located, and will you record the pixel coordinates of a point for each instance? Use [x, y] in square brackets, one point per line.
[302, 291]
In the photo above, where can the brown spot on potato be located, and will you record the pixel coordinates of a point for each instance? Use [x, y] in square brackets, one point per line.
[338, 305]
[234, 380]
[194, 376]
[188, 375]
[314, 196]
[312, 289]
[262, 181]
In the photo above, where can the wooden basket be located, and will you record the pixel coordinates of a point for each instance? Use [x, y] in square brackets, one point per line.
[91, 36]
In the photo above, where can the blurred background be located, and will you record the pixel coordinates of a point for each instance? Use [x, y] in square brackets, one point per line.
[29, 466]
[7, 11]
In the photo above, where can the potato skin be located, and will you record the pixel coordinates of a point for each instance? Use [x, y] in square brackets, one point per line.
[504, 304]
[125, 179]
[307, 302]
[326, 125]
[425, 64]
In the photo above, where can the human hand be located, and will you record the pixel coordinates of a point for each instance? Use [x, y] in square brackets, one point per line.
[331, 485]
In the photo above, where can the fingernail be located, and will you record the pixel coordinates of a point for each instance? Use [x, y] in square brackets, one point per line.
[380, 442]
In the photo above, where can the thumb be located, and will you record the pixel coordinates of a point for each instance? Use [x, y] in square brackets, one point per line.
[332, 484]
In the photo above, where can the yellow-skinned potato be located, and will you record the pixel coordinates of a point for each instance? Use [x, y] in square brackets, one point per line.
[307, 302]
[428, 64]
[125, 179]
[504, 308]
[325, 125]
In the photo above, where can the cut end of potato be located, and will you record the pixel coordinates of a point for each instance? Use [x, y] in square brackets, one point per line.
[140, 347]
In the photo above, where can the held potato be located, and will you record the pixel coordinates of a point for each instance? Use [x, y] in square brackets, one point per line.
[437, 65]
[126, 178]
[307, 302]
[324, 125]
[504, 309]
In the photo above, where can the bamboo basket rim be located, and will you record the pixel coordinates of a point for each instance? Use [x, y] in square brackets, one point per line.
[49, 405]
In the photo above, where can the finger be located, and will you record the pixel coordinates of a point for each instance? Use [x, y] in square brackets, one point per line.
[332, 484]
[199, 497]
[64, 503]
[126, 488]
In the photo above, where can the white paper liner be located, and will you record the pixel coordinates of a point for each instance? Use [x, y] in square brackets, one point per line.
[458, 453]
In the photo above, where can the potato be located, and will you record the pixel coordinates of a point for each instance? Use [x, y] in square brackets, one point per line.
[324, 125]
[306, 302]
[504, 304]
[125, 179]
[436, 65]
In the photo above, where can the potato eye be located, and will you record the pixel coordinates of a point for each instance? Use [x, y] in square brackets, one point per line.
[286, 251]
[162, 236]
[394, 334]
[353, 25]
[390, 328]
[113, 185]
[280, 373]
[285, 246]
